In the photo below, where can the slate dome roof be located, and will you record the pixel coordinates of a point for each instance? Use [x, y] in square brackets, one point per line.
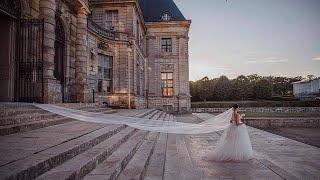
[153, 10]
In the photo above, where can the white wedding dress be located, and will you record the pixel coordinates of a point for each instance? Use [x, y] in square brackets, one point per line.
[234, 145]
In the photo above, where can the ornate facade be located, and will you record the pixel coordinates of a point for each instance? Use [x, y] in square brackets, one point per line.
[131, 53]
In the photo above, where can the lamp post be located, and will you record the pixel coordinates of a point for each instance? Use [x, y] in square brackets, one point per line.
[148, 88]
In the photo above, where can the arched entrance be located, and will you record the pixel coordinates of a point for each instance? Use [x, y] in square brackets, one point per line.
[21, 49]
[9, 13]
[59, 57]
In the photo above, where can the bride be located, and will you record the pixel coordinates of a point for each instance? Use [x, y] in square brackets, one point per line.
[234, 144]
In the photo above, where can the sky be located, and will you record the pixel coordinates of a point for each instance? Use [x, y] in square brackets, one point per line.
[265, 37]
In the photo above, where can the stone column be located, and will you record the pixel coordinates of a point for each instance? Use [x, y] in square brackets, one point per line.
[47, 12]
[184, 94]
[82, 91]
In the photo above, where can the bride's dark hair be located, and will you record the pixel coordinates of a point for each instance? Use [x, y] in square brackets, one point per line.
[236, 106]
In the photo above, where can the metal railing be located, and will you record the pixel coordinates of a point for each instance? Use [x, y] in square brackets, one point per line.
[105, 33]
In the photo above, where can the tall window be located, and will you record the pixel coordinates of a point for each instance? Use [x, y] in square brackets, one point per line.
[112, 19]
[138, 33]
[166, 45]
[105, 71]
[167, 84]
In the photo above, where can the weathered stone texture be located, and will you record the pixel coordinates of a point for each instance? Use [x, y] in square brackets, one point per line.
[136, 52]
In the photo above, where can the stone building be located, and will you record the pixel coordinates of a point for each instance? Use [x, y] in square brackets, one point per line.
[131, 53]
[307, 89]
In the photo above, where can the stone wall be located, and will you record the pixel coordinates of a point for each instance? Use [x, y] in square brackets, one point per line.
[283, 122]
[259, 109]
[137, 59]
[175, 62]
[73, 18]
[129, 61]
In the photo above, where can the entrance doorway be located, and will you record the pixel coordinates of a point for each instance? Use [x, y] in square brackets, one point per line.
[21, 55]
[6, 57]
[59, 46]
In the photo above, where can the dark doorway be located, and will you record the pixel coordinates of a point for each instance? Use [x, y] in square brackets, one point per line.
[29, 61]
[6, 57]
[21, 55]
[59, 46]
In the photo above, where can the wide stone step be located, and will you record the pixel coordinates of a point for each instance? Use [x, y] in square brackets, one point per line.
[15, 147]
[117, 167]
[24, 118]
[146, 113]
[15, 105]
[157, 115]
[137, 166]
[95, 109]
[114, 164]
[149, 116]
[82, 164]
[28, 126]
[38, 163]
[31, 110]
[155, 168]
[16, 112]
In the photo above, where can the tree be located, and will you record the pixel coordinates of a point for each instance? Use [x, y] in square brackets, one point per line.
[204, 88]
[241, 88]
[262, 89]
[222, 89]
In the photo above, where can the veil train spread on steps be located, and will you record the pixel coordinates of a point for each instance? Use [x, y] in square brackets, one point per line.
[214, 124]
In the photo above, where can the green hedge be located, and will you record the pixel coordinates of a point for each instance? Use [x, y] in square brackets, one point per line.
[227, 104]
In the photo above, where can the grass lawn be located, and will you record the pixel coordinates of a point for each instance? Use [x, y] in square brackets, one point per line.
[282, 114]
[279, 114]
[262, 103]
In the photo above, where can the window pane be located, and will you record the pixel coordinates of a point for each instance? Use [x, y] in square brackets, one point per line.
[105, 71]
[109, 16]
[170, 91]
[170, 83]
[163, 75]
[100, 86]
[115, 16]
[169, 42]
[164, 91]
[170, 75]
[164, 83]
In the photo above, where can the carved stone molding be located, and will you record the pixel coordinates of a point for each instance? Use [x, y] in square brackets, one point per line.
[167, 67]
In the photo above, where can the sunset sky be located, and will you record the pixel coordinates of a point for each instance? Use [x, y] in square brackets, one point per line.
[267, 37]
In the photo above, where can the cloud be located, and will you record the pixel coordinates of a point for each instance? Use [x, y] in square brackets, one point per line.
[220, 68]
[263, 58]
[316, 58]
[263, 61]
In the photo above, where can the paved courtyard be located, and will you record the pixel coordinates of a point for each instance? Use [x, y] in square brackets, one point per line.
[276, 157]
[38, 148]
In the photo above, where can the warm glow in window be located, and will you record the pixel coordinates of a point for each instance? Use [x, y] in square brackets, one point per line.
[167, 84]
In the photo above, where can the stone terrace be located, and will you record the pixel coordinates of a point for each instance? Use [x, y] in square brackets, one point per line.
[35, 144]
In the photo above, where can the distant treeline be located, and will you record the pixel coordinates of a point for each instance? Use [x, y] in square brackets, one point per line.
[251, 87]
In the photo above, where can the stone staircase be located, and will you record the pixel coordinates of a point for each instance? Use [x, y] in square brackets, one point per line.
[36, 144]
[18, 118]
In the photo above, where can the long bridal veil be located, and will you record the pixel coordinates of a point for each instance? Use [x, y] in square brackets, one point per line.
[214, 124]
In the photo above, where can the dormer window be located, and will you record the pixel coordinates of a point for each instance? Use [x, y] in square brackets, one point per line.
[111, 19]
[166, 17]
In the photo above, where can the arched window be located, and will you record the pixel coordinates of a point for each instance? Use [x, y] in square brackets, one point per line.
[59, 46]
[166, 17]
